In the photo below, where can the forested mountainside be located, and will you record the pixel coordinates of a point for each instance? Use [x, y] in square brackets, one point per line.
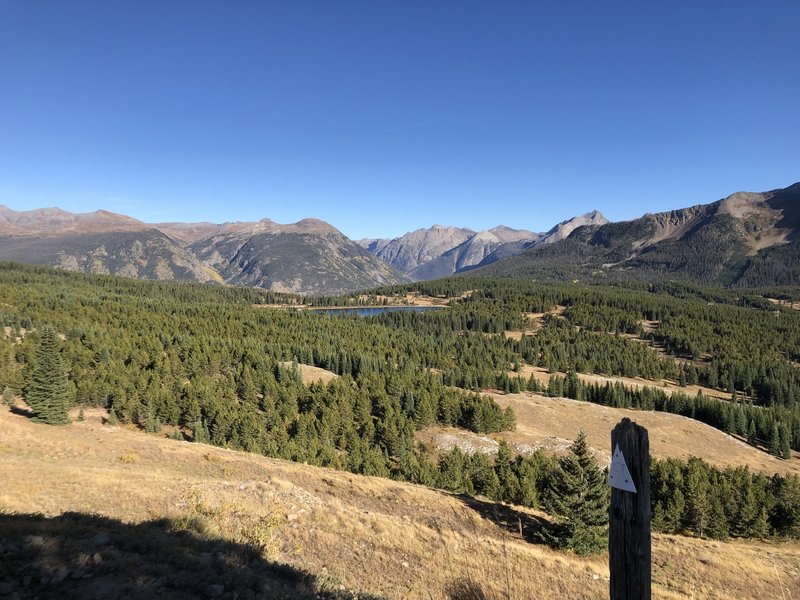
[744, 240]
[217, 364]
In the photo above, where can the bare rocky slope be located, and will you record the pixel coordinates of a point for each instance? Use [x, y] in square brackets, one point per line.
[419, 247]
[100, 242]
[310, 256]
[442, 251]
[747, 239]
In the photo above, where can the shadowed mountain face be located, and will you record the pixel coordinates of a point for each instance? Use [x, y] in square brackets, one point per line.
[308, 257]
[746, 239]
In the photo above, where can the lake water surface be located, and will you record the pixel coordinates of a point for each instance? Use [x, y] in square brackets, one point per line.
[371, 311]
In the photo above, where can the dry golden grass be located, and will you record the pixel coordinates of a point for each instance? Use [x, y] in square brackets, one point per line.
[410, 299]
[309, 374]
[388, 538]
[665, 385]
[552, 423]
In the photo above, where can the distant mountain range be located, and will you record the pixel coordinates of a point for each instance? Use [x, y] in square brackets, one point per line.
[309, 257]
[442, 251]
[747, 239]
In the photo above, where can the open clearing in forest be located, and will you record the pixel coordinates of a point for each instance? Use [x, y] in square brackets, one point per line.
[668, 386]
[551, 424]
[310, 374]
[393, 539]
[410, 299]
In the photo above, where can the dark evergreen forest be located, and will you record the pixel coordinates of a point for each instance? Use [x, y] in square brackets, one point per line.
[213, 364]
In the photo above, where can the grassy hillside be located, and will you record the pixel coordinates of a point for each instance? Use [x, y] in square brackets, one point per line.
[156, 516]
[552, 423]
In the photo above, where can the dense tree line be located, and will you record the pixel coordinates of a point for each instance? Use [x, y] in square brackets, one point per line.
[775, 428]
[688, 497]
[727, 340]
[206, 362]
[695, 497]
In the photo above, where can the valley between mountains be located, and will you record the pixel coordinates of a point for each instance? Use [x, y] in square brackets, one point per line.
[187, 410]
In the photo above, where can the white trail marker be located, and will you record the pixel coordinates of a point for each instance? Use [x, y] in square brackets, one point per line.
[618, 475]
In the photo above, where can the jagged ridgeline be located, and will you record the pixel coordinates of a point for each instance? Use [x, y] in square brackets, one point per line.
[744, 240]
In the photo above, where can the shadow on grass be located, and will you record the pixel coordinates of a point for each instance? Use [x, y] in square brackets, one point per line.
[465, 588]
[532, 529]
[87, 556]
[21, 410]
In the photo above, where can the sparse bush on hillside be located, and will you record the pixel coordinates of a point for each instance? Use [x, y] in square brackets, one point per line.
[8, 396]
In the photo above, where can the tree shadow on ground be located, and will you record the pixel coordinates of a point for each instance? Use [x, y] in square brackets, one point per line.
[531, 528]
[87, 556]
[22, 411]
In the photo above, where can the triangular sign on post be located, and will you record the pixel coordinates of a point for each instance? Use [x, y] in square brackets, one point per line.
[618, 475]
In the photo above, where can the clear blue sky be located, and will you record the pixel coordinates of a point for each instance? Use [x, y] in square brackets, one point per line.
[382, 117]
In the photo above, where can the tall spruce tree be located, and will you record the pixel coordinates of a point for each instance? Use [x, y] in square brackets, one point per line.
[48, 391]
[785, 442]
[775, 441]
[579, 495]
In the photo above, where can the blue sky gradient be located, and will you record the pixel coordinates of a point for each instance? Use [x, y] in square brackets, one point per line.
[382, 117]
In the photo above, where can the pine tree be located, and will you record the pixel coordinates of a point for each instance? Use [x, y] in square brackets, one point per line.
[785, 444]
[200, 432]
[752, 436]
[8, 397]
[775, 441]
[698, 503]
[579, 495]
[760, 528]
[48, 391]
[717, 522]
[509, 483]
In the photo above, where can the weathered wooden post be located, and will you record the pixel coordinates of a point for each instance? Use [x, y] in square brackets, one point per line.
[629, 513]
